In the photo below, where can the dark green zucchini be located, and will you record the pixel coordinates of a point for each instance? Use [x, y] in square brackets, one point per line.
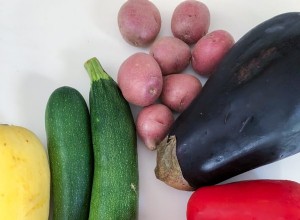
[247, 115]
[115, 186]
[69, 142]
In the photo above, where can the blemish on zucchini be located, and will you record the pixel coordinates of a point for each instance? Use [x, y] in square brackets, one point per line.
[133, 187]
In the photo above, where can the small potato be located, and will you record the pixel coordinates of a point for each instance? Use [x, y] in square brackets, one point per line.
[179, 90]
[139, 22]
[190, 21]
[210, 50]
[140, 79]
[172, 54]
[153, 123]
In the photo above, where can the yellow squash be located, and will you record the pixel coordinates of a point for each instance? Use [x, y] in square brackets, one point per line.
[24, 175]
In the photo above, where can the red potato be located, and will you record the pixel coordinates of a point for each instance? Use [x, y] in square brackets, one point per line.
[140, 79]
[179, 90]
[139, 22]
[172, 54]
[210, 50]
[153, 123]
[190, 21]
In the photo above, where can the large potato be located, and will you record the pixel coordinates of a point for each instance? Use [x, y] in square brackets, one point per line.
[190, 21]
[140, 79]
[172, 54]
[139, 22]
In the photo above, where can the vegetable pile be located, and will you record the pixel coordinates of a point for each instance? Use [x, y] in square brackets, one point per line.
[227, 126]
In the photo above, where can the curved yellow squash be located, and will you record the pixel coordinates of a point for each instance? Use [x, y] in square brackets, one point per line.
[24, 175]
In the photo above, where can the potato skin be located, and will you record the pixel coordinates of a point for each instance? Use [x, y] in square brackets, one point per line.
[172, 54]
[139, 22]
[209, 51]
[179, 90]
[190, 21]
[140, 79]
[153, 123]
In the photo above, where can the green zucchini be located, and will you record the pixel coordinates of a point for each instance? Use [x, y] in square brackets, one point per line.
[115, 185]
[69, 142]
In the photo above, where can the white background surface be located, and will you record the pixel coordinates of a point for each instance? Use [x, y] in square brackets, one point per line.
[44, 43]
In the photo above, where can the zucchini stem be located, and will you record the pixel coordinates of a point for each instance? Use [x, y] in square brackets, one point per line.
[95, 70]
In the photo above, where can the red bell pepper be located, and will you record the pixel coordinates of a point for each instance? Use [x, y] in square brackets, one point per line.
[246, 200]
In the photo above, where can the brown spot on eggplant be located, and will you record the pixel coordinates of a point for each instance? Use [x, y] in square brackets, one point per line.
[248, 113]
[254, 66]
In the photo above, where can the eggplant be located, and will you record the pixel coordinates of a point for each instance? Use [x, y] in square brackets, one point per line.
[247, 114]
